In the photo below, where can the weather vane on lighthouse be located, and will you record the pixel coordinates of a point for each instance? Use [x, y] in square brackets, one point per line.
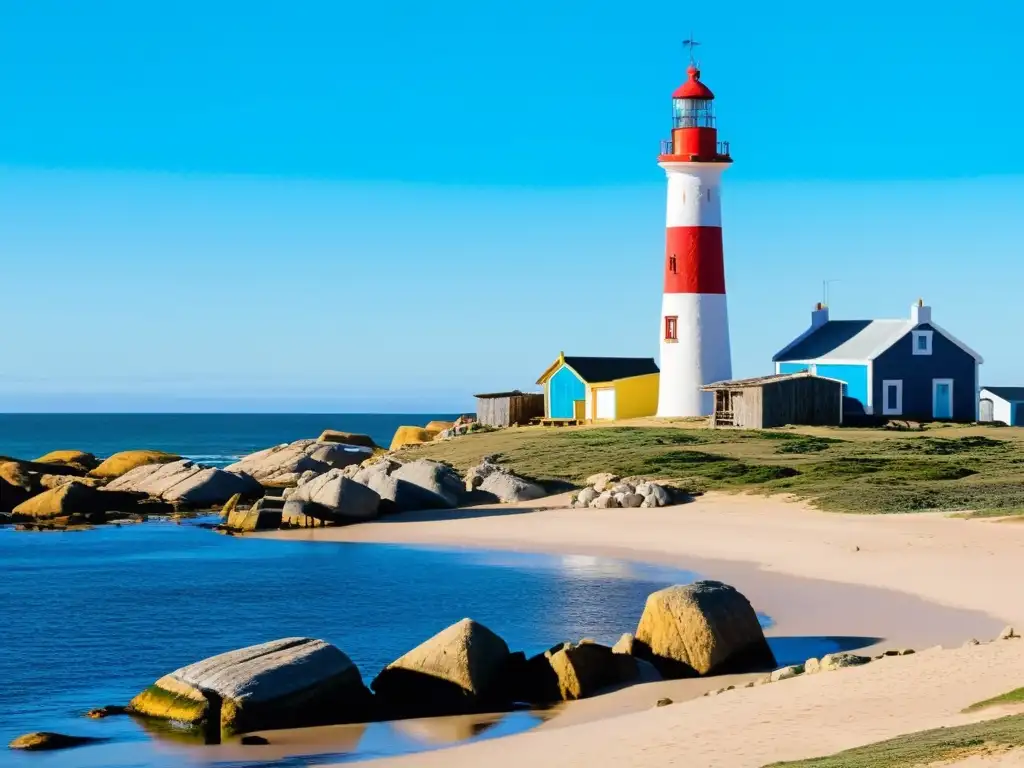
[691, 44]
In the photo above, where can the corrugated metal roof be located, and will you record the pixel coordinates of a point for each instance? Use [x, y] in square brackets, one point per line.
[1007, 393]
[847, 340]
[759, 381]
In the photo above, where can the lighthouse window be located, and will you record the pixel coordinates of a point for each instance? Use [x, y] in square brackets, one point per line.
[693, 113]
[671, 329]
[672, 264]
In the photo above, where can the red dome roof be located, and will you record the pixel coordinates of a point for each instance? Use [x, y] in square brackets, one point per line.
[693, 88]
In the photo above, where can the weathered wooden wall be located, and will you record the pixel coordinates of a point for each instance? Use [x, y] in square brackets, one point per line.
[747, 409]
[508, 410]
[802, 400]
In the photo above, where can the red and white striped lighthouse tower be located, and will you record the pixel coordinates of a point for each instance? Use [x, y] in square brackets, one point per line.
[694, 323]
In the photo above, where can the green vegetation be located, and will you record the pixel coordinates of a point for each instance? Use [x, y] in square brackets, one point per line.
[1016, 696]
[947, 468]
[926, 747]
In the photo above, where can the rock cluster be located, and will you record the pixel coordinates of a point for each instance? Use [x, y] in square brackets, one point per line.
[187, 483]
[501, 484]
[407, 436]
[466, 668]
[285, 464]
[606, 490]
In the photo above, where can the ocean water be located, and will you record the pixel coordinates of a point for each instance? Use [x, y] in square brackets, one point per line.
[216, 439]
[91, 618]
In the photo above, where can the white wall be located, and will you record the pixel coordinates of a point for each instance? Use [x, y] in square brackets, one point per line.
[1002, 410]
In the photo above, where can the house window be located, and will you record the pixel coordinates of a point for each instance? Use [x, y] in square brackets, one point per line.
[922, 342]
[671, 329]
[892, 397]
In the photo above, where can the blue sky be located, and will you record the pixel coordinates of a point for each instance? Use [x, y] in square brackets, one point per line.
[319, 206]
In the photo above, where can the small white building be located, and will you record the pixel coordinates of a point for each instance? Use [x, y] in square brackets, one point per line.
[1005, 404]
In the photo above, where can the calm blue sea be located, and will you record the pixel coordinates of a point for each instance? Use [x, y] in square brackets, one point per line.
[216, 439]
[91, 618]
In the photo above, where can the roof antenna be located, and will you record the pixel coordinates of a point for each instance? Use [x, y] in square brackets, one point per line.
[691, 44]
[824, 289]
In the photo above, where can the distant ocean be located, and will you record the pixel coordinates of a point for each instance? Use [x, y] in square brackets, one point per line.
[217, 439]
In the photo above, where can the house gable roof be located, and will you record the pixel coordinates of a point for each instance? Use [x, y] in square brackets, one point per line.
[598, 369]
[1006, 393]
[856, 340]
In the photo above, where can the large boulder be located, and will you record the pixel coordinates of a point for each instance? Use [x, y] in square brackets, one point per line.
[75, 499]
[438, 426]
[342, 496]
[704, 628]
[396, 495]
[501, 484]
[571, 671]
[78, 459]
[305, 514]
[12, 495]
[265, 515]
[442, 486]
[460, 670]
[290, 683]
[346, 438]
[126, 461]
[285, 464]
[187, 484]
[405, 436]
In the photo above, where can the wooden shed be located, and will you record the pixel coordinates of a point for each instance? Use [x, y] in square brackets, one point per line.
[503, 409]
[774, 401]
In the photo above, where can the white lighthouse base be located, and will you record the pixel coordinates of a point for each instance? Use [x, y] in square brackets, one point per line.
[700, 356]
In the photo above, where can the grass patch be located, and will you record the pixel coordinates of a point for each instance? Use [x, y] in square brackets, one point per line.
[805, 445]
[840, 469]
[926, 747]
[1016, 696]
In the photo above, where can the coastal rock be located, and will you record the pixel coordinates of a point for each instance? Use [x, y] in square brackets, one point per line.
[583, 669]
[285, 464]
[407, 436]
[75, 499]
[44, 741]
[290, 683]
[656, 496]
[625, 644]
[126, 461]
[49, 482]
[833, 661]
[704, 628]
[601, 481]
[305, 514]
[457, 671]
[346, 438]
[604, 501]
[439, 425]
[230, 505]
[15, 474]
[12, 495]
[342, 496]
[586, 497]
[475, 475]
[186, 483]
[786, 672]
[623, 488]
[264, 515]
[79, 460]
[442, 484]
[812, 666]
[632, 500]
[508, 488]
[111, 710]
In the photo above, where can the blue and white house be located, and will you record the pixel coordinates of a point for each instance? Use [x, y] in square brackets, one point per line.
[1005, 404]
[911, 369]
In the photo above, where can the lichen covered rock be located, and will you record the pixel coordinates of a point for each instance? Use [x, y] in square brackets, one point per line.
[126, 461]
[75, 499]
[80, 460]
[346, 438]
[457, 671]
[187, 483]
[44, 740]
[703, 628]
[289, 683]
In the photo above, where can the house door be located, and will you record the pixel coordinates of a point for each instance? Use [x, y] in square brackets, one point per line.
[987, 410]
[942, 398]
[605, 403]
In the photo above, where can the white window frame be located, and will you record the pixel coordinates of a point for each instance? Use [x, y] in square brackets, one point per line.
[927, 336]
[898, 410]
[935, 387]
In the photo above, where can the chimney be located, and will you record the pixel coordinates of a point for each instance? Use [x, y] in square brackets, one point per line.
[819, 316]
[919, 313]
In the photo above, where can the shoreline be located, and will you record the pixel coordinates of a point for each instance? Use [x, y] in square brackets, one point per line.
[914, 581]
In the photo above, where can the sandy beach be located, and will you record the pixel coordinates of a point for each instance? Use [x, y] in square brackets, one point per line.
[909, 581]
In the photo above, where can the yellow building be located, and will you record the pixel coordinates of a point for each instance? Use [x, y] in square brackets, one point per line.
[600, 388]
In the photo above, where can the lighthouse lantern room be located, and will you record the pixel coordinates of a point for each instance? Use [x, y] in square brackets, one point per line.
[694, 328]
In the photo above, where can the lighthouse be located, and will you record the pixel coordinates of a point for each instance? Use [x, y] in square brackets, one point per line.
[694, 333]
